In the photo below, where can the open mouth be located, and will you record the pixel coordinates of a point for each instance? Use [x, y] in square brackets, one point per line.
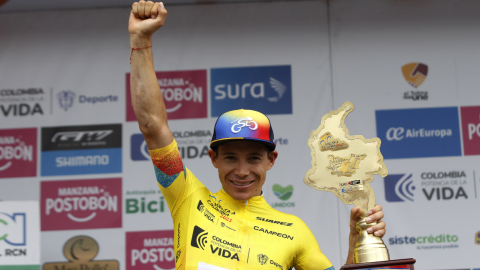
[240, 184]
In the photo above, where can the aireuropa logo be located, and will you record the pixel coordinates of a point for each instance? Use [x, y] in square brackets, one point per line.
[65, 99]
[399, 187]
[415, 73]
[266, 88]
[150, 250]
[13, 229]
[184, 94]
[138, 148]
[283, 193]
[471, 130]
[413, 133]
[80, 251]
[81, 150]
[81, 204]
[18, 152]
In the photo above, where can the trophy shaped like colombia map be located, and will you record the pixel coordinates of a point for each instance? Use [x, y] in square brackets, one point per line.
[344, 164]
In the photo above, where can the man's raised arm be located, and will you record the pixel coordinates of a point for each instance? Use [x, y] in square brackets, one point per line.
[145, 19]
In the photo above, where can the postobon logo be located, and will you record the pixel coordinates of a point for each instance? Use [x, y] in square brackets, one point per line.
[415, 73]
[80, 251]
[150, 250]
[18, 152]
[81, 204]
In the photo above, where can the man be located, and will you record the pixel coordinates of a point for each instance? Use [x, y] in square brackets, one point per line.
[234, 228]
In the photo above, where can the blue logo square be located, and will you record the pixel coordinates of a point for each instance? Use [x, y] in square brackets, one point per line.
[267, 89]
[414, 133]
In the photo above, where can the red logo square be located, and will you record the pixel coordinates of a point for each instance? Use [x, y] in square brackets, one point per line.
[184, 94]
[18, 152]
[471, 130]
[150, 250]
[81, 204]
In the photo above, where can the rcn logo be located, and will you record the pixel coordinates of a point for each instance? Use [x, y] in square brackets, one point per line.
[13, 229]
[267, 89]
[413, 133]
[399, 187]
[138, 148]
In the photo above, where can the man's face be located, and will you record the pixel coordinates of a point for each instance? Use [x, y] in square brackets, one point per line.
[242, 167]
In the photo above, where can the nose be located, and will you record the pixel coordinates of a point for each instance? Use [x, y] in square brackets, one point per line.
[242, 169]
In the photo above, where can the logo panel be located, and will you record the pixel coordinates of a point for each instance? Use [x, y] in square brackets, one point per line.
[22, 102]
[19, 234]
[138, 148]
[471, 130]
[81, 204]
[413, 133]
[399, 187]
[80, 251]
[18, 152]
[150, 250]
[267, 89]
[81, 150]
[184, 94]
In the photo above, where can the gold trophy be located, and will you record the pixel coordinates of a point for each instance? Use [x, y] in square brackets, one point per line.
[345, 165]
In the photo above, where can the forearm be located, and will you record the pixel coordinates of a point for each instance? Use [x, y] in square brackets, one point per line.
[147, 99]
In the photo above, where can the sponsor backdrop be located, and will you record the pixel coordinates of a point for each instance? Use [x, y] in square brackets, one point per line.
[69, 139]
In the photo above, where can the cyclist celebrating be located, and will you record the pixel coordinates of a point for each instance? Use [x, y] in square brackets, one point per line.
[234, 228]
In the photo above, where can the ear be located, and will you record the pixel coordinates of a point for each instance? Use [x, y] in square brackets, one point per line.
[271, 158]
[213, 157]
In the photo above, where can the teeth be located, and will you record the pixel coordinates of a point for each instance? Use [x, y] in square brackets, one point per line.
[241, 184]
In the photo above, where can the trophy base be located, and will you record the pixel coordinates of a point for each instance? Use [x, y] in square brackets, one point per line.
[398, 264]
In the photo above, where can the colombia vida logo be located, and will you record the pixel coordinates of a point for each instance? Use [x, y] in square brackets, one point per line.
[415, 74]
[81, 204]
[283, 193]
[80, 251]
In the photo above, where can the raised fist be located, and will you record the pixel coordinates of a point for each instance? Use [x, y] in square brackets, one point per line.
[146, 18]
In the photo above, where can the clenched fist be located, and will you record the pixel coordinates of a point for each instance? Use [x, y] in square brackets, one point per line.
[146, 18]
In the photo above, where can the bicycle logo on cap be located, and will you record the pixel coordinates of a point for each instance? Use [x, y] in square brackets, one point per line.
[243, 122]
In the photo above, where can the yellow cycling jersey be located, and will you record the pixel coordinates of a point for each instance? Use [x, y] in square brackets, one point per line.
[214, 231]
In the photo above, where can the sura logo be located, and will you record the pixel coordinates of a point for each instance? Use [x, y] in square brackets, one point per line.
[11, 149]
[66, 99]
[78, 200]
[398, 133]
[253, 90]
[13, 228]
[399, 187]
[243, 122]
[263, 88]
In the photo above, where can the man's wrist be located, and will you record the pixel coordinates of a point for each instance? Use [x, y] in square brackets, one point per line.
[140, 41]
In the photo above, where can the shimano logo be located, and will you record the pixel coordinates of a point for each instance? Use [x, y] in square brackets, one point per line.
[243, 122]
[399, 133]
[76, 161]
